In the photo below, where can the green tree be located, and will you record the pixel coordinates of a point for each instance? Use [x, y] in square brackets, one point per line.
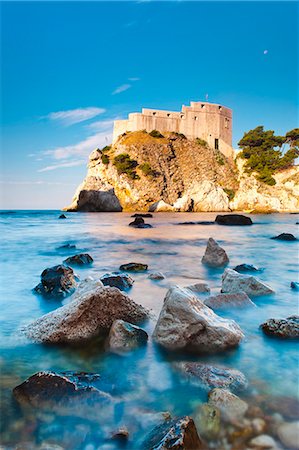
[124, 164]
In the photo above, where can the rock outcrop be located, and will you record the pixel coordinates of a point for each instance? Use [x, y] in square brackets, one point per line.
[282, 328]
[57, 281]
[120, 280]
[234, 282]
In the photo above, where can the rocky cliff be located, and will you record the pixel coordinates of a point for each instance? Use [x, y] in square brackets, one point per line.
[171, 173]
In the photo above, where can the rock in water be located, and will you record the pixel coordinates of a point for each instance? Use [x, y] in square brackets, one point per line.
[124, 336]
[210, 377]
[214, 256]
[57, 281]
[156, 276]
[185, 323]
[81, 259]
[282, 328]
[85, 317]
[263, 441]
[233, 219]
[233, 281]
[288, 433]
[95, 197]
[62, 216]
[285, 237]
[226, 301]
[231, 406]
[148, 215]
[133, 267]
[207, 421]
[199, 288]
[117, 279]
[176, 434]
[295, 285]
[138, 222]
[246, 268]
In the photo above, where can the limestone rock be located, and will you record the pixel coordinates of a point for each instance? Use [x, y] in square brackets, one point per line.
[133, 267]
[285, 237]
[199, 288]
[120, 280]
[233, 281]
[85, 317]
[207, 421]
[282, 328]
[81, 259]
[288, 433]
[85, 286]
[124, 336]
[233, 219]
[57, 281]
[231, 406]
[226, 301]
[161, 206]
[214, 256]
[156, 276]
[185, 323]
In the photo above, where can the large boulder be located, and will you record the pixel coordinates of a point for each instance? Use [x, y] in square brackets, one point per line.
[226, 301]
[282, 328]
[209, 376]
[102, 199]
[185, 323]
[85, 317]
[288, 433]
[233, 281]
[215, 256]
[81, 259]
[120, 280]
[124, 336]
[233, 219]
[285, 237]
[57, 281]
[231, 406]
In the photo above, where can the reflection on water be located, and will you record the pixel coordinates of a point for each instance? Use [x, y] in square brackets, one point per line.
[144, 382]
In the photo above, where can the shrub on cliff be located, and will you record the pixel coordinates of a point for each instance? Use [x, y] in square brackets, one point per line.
[105, 159]
[201, 142]
[124, 164]
[147, 170]
[156, 134]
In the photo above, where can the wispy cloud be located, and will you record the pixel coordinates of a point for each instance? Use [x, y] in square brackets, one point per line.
[63, 165]
[134, 79]
[34, 183]
[122, 88]
[73, 116]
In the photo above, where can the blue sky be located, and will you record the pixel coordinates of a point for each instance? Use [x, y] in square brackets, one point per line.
[70, 68]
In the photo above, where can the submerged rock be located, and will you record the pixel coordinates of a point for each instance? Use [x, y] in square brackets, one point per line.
[62, 216]
[295, 285]
[185, 323]
[288, 433]
[246, 268]
[233, 219]
[139, 223]
[85, 317]
[156, 276]
[198, 288]
[79, 260]
[233, 281]
[117, 279]
[207, 421]
[176, 434]
[209, 377]
[121, 435]
[124, 336]
[285, 237]
[231, 406]
[263, 441]
[215, 256]
[133, 267]
[57, 281]
[67, 246]
[282, 328]
[226, 301]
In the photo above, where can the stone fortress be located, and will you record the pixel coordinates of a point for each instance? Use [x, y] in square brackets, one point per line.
[203, 120]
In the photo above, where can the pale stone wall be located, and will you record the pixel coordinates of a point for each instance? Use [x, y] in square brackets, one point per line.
[207, 121]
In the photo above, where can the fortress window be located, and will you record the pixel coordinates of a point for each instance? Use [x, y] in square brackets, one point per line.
[154, 113]
[226, 122]
[182, 116]
[202, 105]
[168, 115]
[195, 117]
[220, 108]
[216, 144]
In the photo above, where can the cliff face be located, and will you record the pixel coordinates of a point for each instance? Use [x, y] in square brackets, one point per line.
[175, 174]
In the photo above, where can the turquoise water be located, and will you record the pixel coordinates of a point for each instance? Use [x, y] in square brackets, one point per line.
[144, 380]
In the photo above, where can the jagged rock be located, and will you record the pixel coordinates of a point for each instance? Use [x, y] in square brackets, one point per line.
[282, 328]
[124, 336]
[263, 441]
[202, 195]
[185, 323]
[142, 215]
[288, 433]
[176, 434]
[67, 246]
[226, 301]
[139, 223]
[199, 288]
[81, 259]
[161, 206]
[214, 256]
[85, 317]
[233, 281]
[295, 285]
[233, 219]
[117, 279]
[207, 421]
[285, 237]
[156, 276]
[62, 216]
[231, 406]
[133, 267]
[209, 377]
[246, 268]
[57, 281]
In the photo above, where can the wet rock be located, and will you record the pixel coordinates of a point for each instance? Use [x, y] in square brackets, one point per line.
[282, 328]
[263, 442]
[185, 323]
[176, 434]
[85, 317]
[288, 433]
[231, 406]
[207, 421]
[210, 377]
[81, 259]
[62, 216]
[117, 279]
[214, 256]
[124, 336]
[88, 285]
[285, 237]
[146, 215]
[246, 268]
[139, 223]
[57, 281]
[258, 425]
[121, 435]
[156, 276]
[133, 267]
[67, 246]
[233, 281]
[233, 219]
[295, 285]
[226, 301]
[196, 223]
[199, 288]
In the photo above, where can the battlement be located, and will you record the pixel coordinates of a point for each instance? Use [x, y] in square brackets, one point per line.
[208, 121]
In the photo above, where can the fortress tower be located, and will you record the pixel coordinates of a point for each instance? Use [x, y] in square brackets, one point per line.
[207, 121]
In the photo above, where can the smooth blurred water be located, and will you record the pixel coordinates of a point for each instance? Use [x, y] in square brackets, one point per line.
[145, 378]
